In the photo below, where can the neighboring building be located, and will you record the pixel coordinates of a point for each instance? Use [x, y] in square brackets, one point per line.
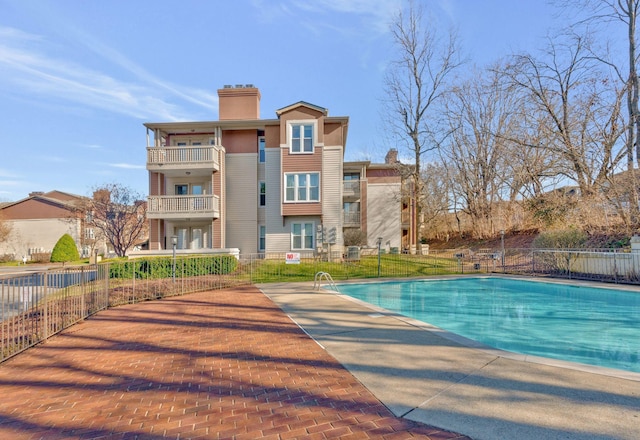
[376, 200]
[38, 221]
[264, 185]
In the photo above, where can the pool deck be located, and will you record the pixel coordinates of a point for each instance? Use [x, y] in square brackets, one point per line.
[424, 374]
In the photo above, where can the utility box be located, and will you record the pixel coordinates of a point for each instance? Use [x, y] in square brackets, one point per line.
[353, 253]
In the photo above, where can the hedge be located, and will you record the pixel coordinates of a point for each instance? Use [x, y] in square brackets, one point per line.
[162, 267]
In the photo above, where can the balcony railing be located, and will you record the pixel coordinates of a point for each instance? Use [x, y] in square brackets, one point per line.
[406, 219]
[351, 188]
[193, 206]
[351, 218]
[159, 158]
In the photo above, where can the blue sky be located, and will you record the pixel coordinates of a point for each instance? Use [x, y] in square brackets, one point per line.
[78, 78]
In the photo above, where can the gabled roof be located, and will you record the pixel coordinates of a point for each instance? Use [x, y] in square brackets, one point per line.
[317, 108]
[58, 198]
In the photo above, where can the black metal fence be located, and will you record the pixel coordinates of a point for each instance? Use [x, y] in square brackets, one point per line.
[35, 306]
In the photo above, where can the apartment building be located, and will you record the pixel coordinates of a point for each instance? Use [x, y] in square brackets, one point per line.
[251, 185]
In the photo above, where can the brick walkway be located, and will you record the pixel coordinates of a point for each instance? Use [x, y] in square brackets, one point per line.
[224, 364]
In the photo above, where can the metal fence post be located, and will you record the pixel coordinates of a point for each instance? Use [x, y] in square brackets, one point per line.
[45, 318]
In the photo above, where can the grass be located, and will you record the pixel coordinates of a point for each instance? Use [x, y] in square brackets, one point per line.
[269, 271]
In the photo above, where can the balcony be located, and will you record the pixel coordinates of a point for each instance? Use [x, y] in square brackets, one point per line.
[181, 159]
[183, 207]
[405, 217]
[351, 219]
[351, 189]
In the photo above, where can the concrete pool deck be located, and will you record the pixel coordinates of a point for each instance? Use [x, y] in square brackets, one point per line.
[423, 374]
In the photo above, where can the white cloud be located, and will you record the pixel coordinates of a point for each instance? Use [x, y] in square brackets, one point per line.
[372, 16]
[127, 166]
[377, 12]
[23, 65]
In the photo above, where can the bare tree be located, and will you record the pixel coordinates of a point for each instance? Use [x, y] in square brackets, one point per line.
[577, 110]
[481, 118]
[593, 14]
[415, 83]
[435, 201]
[5, 229]
[119, 214]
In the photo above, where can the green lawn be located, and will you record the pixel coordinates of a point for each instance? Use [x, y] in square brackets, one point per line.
[268, 271]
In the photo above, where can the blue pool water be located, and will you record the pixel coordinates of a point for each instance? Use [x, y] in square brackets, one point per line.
[574, 323]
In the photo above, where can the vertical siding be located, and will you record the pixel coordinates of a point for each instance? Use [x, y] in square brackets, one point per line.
[242, 202]
[278, 236]
[383, 214]
[332, 190]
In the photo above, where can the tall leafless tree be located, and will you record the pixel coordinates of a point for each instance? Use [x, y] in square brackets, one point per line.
[481, 117]
[577, 110]
[594, 14]
[415, 84]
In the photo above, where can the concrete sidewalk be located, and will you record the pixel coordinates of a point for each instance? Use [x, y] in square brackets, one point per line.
[423, 376]
[213, 365]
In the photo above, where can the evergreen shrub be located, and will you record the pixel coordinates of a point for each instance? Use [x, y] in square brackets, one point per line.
[65, 250]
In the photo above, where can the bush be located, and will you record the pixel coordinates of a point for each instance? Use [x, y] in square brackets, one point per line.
[563, 239]
[65, 250]
[41, 257]
[162, 267]
[355, 237]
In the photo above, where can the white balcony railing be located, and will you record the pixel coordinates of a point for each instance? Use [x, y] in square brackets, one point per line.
[351, 218]
[351, 188]
[183, 157]
[193, 206]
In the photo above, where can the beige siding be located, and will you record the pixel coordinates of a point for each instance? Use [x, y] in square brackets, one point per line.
[278, 236]
[332, 190]
[383, 214]
[39, 233]
[242, 202]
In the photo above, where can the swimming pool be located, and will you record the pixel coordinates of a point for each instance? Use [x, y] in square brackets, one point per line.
[588, 325]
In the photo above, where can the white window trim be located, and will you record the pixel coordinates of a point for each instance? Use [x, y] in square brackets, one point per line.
[313, 236]
[260, 183]
[314, 139]
[260, 227]
[262, 158]
[284, 187]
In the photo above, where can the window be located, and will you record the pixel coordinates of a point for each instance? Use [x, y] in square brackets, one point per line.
[261, 151]
[351, 176]
[262, 193]
[301, 138]
[302, 235]
[89, 234]
[182, 190]
[262, 238]
[302, 187]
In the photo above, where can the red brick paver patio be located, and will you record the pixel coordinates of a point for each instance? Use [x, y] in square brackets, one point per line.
[223, 364]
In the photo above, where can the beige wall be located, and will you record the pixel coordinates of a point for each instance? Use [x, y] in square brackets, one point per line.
[332, 190]
[39, 233]
[242, 202]
[383, 215]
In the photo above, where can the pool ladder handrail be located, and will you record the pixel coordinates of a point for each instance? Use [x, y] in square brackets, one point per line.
[327, 277]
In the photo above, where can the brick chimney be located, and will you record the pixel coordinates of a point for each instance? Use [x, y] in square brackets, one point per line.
[237, 102]
[392, 156]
